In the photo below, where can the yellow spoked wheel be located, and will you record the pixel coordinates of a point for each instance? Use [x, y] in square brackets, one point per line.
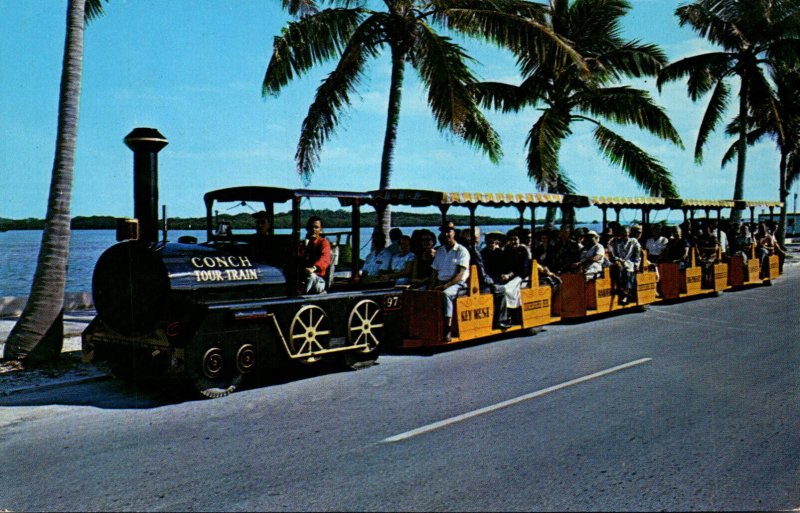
[364, 330]
[309, 333]
[365, 325]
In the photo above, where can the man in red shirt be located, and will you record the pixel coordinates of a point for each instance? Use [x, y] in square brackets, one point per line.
[315, 257]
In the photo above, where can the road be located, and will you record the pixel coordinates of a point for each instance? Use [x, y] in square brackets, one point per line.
[688, 406]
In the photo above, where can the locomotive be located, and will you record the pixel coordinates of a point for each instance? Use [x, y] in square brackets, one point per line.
[218, 312]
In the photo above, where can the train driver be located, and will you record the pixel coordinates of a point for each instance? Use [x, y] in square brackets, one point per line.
[314, 257]
[261, 242]
[450, 270]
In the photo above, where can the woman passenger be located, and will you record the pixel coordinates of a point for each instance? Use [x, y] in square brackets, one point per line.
[402, 263]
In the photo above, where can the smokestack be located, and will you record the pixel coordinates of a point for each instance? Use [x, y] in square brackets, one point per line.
[145, 144]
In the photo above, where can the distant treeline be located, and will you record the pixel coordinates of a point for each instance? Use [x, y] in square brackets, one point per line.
[332, 219]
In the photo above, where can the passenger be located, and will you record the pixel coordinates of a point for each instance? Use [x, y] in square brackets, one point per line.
[655, 244]
[626, 255]
[402, 264]
[742, 241]
[516, 268]
[475, 258]
[688, 232]
[707, 252]
[592, 256]
[677, 249]
[542, 253]
[777, 249]
[314, 257]
[376, 265]
[492, 254]
[450, 272]
[721, 236]
[566, 251]
[423, 258]
[394, 241]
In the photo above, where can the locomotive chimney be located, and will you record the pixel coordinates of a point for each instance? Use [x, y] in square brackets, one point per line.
[145, 144]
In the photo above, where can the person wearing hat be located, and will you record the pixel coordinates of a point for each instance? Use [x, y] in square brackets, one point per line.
[450, 270]
[592, 256]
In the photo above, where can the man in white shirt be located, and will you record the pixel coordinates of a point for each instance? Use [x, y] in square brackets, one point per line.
[450, 272]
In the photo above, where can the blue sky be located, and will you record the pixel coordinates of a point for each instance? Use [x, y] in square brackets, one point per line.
[193, 70]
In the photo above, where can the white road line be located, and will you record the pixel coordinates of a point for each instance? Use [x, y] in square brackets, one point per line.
[510, 402]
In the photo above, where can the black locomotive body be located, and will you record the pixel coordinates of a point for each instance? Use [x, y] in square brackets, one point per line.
[219, 311]
[213, 315]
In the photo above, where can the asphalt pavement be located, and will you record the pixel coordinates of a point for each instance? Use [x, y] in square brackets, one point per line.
[686, 406]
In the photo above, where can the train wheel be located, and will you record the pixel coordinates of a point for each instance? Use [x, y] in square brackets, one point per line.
[217, 377]
[364, 329]
[309, 333]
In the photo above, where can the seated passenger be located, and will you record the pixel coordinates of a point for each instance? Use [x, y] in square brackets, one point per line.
[592, 256]
[402, 263]
[677, 249]
[394, 241]
[707, 250]
[376, 265]
[565, 252]
[450, 272]
[314, 255]
[423, 258]
[625, 259]
[492, 254]
[516, 267]
[655, 244]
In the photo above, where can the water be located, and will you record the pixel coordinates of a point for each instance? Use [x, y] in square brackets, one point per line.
[21, 249]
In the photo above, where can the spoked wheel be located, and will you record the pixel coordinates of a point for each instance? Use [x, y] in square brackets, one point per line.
[217, 377]
[309, 333]
[365, 330]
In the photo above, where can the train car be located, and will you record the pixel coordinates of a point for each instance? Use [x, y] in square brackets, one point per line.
[217, 312]
[581, 297]
[474, 311]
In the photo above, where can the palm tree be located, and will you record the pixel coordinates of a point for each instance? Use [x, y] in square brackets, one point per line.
[752, 34]
[38, 335]
[566, 94]
[775, 116]
[406, 28]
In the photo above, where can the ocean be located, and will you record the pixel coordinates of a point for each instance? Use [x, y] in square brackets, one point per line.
[21, 249]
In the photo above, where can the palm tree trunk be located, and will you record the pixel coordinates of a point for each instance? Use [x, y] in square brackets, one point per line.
[39, 334]
[738, 188]
[783, 194]
[384, 217]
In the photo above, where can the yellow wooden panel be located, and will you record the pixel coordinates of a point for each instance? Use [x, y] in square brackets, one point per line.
[720, 276]
[474, 315]
[536, 306]
[646, 288]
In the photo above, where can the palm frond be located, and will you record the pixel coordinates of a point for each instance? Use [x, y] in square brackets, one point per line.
[517, 26]
[307, 42]
[543, 143]
[703, 71]
[713, 20]
[333, 95]
[753, 137]
[629, 106]
[300, 8]
[499, 96]
[646, 171]
[634, 59]
[93, 10]
[443, 70]
[711, 117]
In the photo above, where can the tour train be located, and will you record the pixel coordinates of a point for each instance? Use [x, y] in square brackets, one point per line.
[215, 313]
